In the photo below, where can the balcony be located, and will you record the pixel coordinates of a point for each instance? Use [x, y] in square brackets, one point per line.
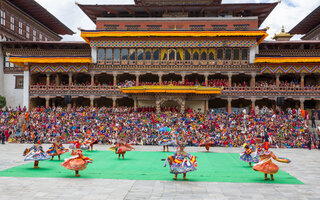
[271, 92]
[290, 52]
[188, 65]
[36, 90]
[243, 92]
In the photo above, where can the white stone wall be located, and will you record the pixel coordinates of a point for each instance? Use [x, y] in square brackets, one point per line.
[1, 72]
[13, 96]
[196, 105]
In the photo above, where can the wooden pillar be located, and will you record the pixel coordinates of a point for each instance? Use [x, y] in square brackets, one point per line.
[160, 79]
[48, 80]
[302, 104]
[230, 80]
[229, 105]
[277, 80]
[114, 102]
[91, 101]
[302, 80]
[137, 79]
[206, 107]
[115, 79]
[183, 76]
[135, 104]
[70, 79]
[253, 81]
[92, 79]
[47, 102]
[158, 106]
[206, 79]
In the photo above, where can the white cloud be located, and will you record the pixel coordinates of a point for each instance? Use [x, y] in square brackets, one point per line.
[287, 13]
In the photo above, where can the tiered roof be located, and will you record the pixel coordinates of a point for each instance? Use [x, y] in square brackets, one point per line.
[146, 8]
[35, 10]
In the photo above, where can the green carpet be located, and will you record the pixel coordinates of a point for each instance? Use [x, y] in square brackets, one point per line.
[212, 167]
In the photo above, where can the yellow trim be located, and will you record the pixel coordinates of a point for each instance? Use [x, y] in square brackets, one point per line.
[171, 89]
[86, 35]
[287, 59]
[21, 60]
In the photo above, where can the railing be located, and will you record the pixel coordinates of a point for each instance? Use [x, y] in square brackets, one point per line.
[271, 91]
[12, 70]
[74, 90]
[291, 52]
[173, 62]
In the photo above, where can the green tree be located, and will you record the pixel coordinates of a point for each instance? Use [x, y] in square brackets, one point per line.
[3, 101]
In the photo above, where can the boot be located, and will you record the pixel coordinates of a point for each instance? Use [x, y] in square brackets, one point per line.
[77, 174]
[184, 176]
[272, 177]
[59, 157]
[266, 177]
[175, 177]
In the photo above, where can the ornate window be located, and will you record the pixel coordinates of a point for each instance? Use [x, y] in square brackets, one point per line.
[108, 54]
[196, 54]
[228, 54]
[3, 17]
[7, 63]
[244, 54]
[211, 54]
[203, 54]
[27, 32]
[236, 54]
[148, 54]
[187, 54]
[116, 54]
[220, 54]
[140, 54]
[34, 35]
[19, 82]
[12, 23]
[172, 54]
[20, 27]
[180, 54]
[132, 54]
[101, 54]
[156, 53]
[124, 54]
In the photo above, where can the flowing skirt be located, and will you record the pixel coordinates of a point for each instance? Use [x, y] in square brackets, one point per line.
[266, 166]
[36, 156]
[76, 164]
[180, 168]
[52, 151]
[249, 157]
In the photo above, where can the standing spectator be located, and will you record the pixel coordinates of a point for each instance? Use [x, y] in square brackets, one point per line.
[313, 118]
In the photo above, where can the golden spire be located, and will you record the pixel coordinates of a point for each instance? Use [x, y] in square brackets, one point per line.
[283, 36]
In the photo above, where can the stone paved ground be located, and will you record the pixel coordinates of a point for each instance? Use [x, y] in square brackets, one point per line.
[305, 166]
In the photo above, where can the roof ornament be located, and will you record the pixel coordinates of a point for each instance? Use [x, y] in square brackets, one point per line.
[282, 36]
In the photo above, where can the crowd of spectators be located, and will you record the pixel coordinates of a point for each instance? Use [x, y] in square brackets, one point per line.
[287, 129]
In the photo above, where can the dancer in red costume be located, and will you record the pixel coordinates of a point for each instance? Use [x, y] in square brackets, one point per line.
[57, 148]
[77, 162]
[266, 165]
[121, 147]
[90, 141]
[207, 143]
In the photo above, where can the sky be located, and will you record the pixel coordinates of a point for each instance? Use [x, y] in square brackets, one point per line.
[288, 13]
